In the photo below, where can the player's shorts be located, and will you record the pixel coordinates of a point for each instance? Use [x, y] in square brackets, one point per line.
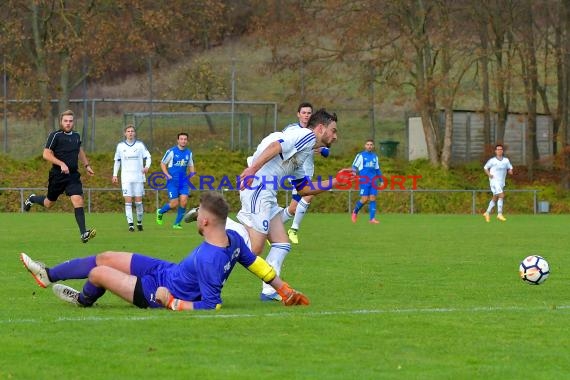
[132, 189]
[148, 271]
[177, 188]
[240, 229]
[58, 183]
[258, 207]
[367, 190]
[496, 188]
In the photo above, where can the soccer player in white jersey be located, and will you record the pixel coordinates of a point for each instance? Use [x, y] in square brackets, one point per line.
[300, 205]
[133, 159]
[496, 169]
[278, 157]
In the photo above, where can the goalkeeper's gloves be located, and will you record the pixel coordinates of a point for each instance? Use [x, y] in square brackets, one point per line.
[166, 299]
[291, 297]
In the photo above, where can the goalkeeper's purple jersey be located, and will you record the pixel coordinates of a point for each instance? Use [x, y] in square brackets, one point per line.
[201, 275]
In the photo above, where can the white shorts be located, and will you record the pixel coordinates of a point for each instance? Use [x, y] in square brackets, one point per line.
[496, 188]
[240, 229]
[132, 189]
[258, 207]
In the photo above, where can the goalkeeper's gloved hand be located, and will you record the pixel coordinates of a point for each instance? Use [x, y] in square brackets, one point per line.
[166, 299]
[291, 297]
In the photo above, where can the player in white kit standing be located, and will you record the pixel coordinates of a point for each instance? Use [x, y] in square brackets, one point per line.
[496, 169]
[133, 158]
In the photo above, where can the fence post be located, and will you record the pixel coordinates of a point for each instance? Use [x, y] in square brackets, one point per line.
[473, 203]
[411, 201]
[89, 201]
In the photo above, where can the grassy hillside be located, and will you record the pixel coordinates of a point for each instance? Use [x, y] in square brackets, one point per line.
[33, 174]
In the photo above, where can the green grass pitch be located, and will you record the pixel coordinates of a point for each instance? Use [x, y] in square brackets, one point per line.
[415, 297]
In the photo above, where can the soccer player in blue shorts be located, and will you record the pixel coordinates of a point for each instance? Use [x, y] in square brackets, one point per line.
[175, 164]
[368, 167]
[194, 283]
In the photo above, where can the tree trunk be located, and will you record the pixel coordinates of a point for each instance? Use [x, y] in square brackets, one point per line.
[530, 79]
[209, 121]
[64, 87]
[448, 138]
[484, 39]
[39, 56]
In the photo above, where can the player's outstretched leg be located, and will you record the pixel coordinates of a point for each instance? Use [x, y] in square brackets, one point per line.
[67, 294]
[36, 269]
[191, 215]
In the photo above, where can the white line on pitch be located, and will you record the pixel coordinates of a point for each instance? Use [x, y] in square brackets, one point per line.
[164, 315]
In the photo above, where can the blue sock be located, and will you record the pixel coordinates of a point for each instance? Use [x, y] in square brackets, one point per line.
[90, 294]
[180, 215]
[372, 209]
[72, 269]
[164, 209]
[357, 207]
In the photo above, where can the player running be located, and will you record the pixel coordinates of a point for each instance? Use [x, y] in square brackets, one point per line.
[175, 164]
[367, 165]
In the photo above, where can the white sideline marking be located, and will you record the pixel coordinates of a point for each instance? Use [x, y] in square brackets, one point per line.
[165, 315]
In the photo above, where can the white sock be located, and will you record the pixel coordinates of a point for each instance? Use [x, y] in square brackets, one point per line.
[129, 212]
[302, 208]
[140, 211]
[286, 215]
[500, 206]
[491, 206]
[275, 258]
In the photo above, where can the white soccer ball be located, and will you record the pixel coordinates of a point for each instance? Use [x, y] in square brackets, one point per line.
[534, 270]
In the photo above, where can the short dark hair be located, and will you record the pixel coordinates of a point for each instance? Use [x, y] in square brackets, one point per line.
[499, 145]
[181, 134]
[321, 117]
[304, 105]
[216, 204]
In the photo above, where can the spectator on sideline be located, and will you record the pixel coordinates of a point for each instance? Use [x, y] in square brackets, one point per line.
[132, 157]
[63, 149]
[194, 283]
[367, 165]
[175, 164]
[496, 169]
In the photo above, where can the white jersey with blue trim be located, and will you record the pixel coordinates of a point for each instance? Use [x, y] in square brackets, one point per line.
[297, 146]
[309, 164]
[129, 157]
[498, 169]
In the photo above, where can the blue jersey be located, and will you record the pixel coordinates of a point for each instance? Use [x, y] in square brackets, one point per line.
[200, 276]
[367, 164]
[177, 161]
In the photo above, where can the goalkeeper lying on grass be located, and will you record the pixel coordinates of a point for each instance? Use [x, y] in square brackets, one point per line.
[194, 283]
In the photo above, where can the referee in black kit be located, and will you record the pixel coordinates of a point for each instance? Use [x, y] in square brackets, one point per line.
[63, 150]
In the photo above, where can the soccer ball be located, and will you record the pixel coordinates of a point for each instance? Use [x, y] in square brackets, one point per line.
[534, 270]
